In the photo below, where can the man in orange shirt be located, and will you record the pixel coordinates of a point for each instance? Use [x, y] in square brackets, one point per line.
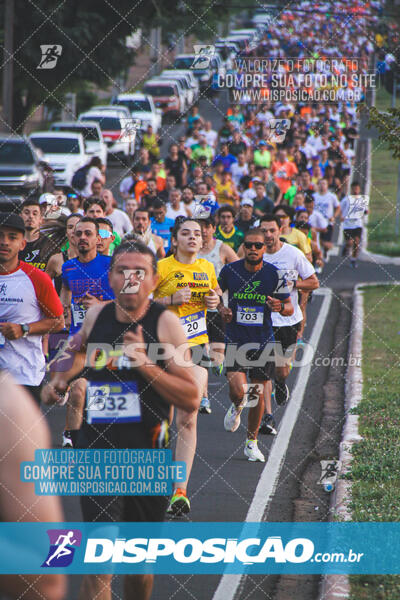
[155, 174]
[283, 171]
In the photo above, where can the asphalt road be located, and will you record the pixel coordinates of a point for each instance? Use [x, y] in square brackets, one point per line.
[223, 482]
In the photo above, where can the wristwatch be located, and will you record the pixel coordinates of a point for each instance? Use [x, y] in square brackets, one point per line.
[282, 307]
[25, 329]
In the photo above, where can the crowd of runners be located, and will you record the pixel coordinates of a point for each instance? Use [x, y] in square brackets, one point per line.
[217, 247]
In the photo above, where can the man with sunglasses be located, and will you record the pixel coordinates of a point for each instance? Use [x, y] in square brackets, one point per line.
[74, 203]
[296, 273]
[252, 286]
[107, 237]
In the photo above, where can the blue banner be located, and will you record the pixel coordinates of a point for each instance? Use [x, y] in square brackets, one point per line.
[200, 548]
[72, 472]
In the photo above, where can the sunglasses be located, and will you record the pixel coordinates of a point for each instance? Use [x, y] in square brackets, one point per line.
[104, 234]
[256, 245]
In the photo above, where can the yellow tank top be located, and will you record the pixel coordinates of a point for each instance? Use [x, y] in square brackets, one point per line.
[200, 277]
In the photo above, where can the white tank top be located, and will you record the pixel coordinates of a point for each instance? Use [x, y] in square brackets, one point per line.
[152, 245]
[214, 256]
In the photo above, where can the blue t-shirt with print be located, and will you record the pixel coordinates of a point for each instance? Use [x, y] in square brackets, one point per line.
[248, 292]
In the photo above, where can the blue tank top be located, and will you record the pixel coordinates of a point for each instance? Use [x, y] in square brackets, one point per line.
[163, 230]
[89, 277]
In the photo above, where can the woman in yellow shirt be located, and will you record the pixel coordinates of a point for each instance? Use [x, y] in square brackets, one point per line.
[292, 235]
[188, 286]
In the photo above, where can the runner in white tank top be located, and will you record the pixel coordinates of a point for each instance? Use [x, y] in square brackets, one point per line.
[219, 254]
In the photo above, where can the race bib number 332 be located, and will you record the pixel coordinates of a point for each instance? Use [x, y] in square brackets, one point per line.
[113, 403]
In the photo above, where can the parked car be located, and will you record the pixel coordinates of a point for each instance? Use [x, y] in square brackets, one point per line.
[141, 106]
[184, 88]
[252, 33]
[227, 49]
[21, 173]
[109, 107]
[165, 95]
[92, 136]
[240, 40]
[204, 75]
[117, 131]
[189, 81]
[63, 151]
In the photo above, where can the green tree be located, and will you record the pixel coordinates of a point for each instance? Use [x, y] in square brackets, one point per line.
[388, 125]
[92, 35]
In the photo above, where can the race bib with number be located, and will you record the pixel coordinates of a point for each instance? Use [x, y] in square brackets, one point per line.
[113, 403]
[194, 325]
[250, 315]
[78, 313]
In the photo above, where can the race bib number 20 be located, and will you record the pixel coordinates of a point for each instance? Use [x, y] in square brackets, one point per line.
[194, 325]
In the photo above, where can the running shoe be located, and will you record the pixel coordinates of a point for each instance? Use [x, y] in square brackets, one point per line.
[252, 451]
[67, 439]
[218, 369]
[205, 406]
[232, 417]
[281, 392]
[179, 504]
[267, 426]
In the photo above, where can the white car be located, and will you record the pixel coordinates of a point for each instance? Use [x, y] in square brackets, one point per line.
[119, 133]
[64, 151]
[182, 79]
[183, 99]
[264, 19]
[140, 107]
[165, 96]
[189, 81]
[252, 34]
[203, 75]
[109, 107]
[92, 136]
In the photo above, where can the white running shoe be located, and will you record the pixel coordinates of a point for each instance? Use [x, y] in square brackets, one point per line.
[66, 440]
[232, 417]
[252, 451]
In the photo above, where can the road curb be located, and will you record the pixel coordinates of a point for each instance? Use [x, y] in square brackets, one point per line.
[334, 587]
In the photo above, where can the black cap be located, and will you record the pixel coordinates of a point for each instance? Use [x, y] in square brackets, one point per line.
[12, 220]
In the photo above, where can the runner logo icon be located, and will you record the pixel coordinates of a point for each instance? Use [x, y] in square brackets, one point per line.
[133, 278]
[50, 55]
[203, 56]
[62, 547]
